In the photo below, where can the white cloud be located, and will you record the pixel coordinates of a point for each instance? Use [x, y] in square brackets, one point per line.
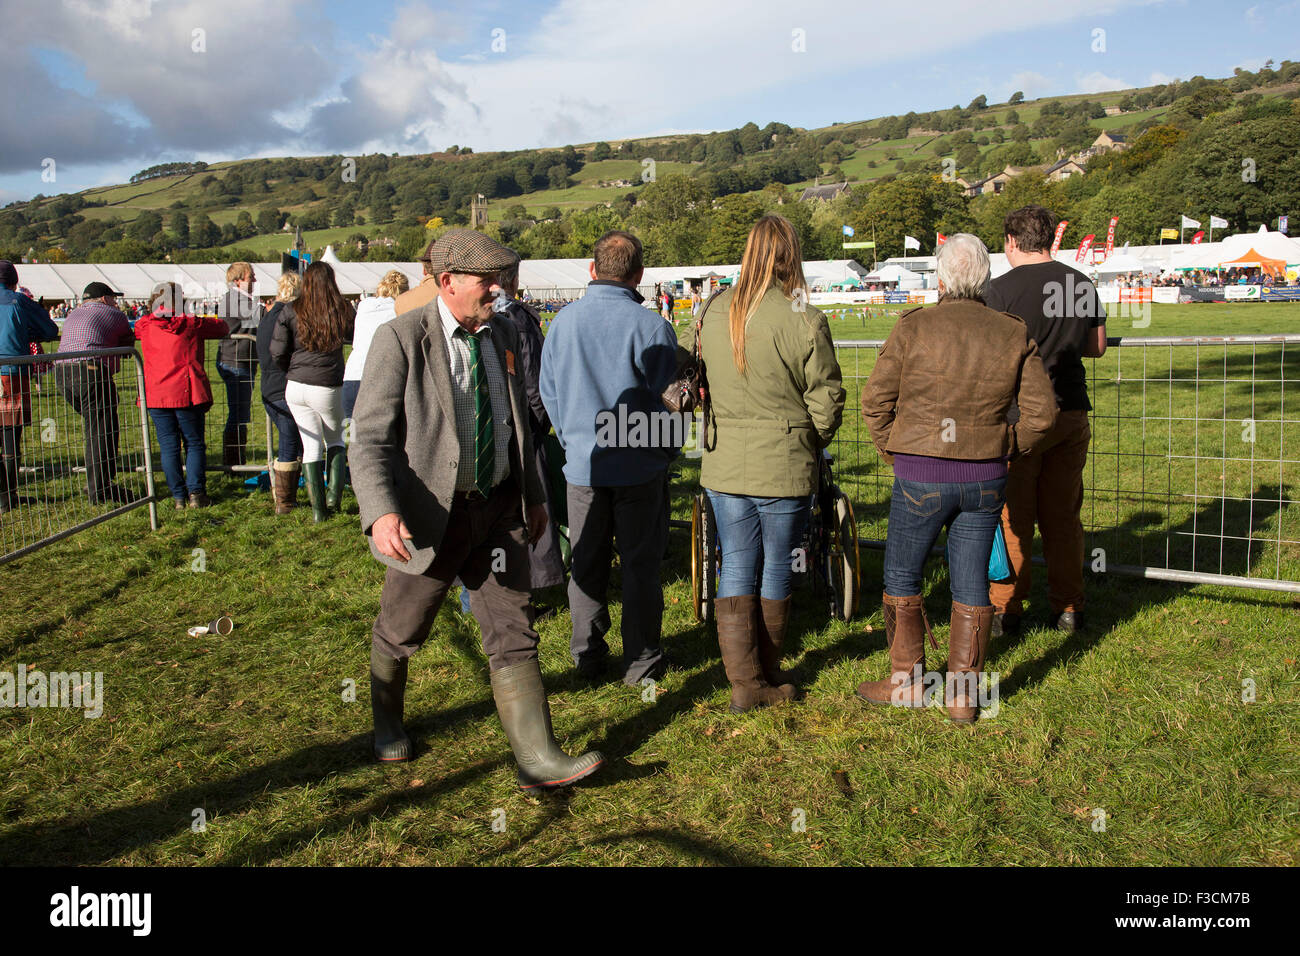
[1160, 79]
[1033, 85]
[1098, 82]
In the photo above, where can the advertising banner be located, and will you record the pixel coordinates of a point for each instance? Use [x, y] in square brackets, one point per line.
[1241, 293]
[1060, 231]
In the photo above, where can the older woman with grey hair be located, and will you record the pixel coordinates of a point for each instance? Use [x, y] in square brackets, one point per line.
[936, 404]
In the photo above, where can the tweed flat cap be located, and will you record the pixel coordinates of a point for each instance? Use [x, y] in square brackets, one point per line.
[465, 250]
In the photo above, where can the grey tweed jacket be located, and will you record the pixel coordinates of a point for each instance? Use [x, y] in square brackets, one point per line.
[404, 449]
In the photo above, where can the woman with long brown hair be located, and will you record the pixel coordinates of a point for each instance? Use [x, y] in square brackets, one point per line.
[308, 344]
[774, 385]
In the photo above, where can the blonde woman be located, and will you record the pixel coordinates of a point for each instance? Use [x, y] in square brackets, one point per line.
[371, 314]
[774, 384]
[285, 468]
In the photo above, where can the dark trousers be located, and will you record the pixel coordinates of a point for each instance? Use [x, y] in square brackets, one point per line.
[485, 545]
[239, 399]
[11, 443]
[919, 510]
[351, 388]
[177, 426]
[285, 426]
[635, 517]
[90, 390]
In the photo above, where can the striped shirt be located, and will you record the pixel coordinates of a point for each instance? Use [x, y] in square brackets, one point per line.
[95, 325]
[459, 358]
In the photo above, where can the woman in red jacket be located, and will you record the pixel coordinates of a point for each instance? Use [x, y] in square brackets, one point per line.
[176, 390]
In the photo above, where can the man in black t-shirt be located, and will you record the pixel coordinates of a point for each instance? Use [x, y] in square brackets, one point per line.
[1064, 315]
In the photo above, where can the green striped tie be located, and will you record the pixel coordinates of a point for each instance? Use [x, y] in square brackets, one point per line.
[484, 441]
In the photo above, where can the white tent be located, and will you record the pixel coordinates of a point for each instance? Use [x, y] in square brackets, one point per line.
[906, 278]
[1119, 262]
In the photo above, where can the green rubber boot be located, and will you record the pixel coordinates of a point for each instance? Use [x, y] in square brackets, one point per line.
[526, 717]
[387, 700]
[313, 473]
[334, 491]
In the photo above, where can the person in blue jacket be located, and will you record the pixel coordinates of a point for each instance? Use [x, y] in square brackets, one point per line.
[606, 362]
[22, 322]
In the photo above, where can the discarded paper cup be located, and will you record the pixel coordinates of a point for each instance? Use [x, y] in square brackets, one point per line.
[222, 625]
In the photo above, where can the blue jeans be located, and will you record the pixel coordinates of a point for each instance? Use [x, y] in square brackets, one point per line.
[350, 389]
[290, 441]
[239, 399]
[174, 426]
[919, 510]
[750, 530]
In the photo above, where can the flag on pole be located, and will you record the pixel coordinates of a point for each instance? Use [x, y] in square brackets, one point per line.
[1084, 247]
[911, 243]
[1217, 223]
[848, 231]
[1168, 233]
[1198, 237]
[1056, 240]
[939, 239]
[1191, 224]
[1282, 224]
[1110, 236]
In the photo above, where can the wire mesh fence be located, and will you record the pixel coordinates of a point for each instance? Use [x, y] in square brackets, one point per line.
[75, 443]
[1190, 476]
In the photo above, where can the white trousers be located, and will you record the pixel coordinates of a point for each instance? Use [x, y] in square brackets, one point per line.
[318, 410]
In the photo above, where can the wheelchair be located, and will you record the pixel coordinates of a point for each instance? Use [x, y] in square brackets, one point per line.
[828, 552]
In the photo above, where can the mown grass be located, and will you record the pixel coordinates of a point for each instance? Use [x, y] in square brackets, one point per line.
[1142, 716]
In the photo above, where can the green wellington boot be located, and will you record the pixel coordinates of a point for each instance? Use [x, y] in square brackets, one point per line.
[526, 717]
[387, 699]
[334, 492]
[314, 474]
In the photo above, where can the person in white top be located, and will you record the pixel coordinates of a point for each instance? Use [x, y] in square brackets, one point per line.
[371, 314]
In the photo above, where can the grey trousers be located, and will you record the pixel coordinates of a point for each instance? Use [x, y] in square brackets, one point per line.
[486, 546]
[637, 517]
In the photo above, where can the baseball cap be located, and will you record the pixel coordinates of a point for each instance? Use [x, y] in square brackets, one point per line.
[97, 289]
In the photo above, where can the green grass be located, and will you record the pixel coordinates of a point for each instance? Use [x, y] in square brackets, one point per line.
[1141, 716]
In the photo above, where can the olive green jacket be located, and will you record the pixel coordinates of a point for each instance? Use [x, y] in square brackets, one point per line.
[769, 423]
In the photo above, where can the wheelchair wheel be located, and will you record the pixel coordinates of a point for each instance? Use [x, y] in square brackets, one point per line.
[704, 557]
[843, 563]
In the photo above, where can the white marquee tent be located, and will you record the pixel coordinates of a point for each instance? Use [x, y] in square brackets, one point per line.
[540, 277]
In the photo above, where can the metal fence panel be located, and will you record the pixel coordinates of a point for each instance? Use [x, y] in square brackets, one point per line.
[1190, 476]
[83, 430]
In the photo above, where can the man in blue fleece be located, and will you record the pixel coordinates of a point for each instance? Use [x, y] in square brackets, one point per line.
[605, 364]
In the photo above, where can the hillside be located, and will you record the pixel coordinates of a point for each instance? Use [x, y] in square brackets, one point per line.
[692, 197]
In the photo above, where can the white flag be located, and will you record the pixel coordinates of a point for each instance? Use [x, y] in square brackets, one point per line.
[910, 243]
[1217, 223]
[1190, 223]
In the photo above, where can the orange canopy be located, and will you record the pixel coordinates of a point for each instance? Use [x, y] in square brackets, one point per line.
[1253, 260]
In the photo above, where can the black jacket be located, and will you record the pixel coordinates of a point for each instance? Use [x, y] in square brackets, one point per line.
[272, 374]
[302, 364]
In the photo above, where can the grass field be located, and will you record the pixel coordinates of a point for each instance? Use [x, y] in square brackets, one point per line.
[1140, 718]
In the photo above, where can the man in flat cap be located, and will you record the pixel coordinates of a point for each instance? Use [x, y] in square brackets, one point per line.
[441, 466]
[87, 385]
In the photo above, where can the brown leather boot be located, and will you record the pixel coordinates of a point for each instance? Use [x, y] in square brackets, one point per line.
[906, 627]
[968, 642]
[738, 641]
[772, 624]
[284, 485]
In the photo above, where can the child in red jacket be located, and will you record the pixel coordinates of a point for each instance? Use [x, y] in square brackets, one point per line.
[176, 390]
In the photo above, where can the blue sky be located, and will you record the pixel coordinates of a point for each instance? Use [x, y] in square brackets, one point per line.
[109, 87]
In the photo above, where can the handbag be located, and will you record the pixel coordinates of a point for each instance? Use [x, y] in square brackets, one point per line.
[688, 392]
[999, 559]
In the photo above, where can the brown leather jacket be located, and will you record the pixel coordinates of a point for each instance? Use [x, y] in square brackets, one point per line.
[945, 378]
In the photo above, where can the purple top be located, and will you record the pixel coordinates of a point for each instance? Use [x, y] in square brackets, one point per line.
[949, 470]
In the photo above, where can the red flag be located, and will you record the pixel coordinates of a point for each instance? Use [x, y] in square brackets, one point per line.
[1110, 236]
[1198, 237]
[939, 239]
[1060, 231]
[1084, 247]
